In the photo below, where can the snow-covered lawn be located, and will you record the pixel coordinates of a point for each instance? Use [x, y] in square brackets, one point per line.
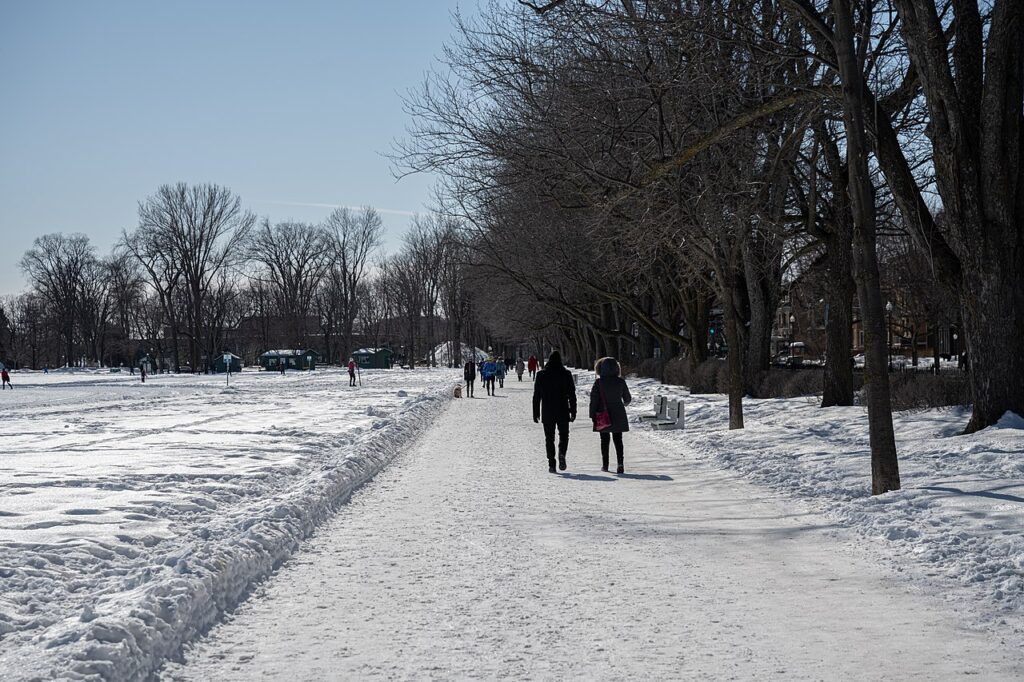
[132, 514]
[958, 522]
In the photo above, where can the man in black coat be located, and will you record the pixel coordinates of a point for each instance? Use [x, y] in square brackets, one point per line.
[554, 404]
[469, 374]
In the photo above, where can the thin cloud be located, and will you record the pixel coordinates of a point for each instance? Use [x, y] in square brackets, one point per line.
[388, 211]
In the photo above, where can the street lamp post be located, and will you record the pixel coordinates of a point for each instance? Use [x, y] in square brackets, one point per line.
[888, 340]
[792, 333]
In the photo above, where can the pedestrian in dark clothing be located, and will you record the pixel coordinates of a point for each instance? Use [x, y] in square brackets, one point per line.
[469, 374]
[351, 372]
[6, 379]
[143, 372]
[610, 394]
[554, 404]
[520, 368]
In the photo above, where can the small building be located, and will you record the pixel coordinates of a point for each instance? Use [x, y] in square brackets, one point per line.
[373, 358]
[219, 366]
[272, 360]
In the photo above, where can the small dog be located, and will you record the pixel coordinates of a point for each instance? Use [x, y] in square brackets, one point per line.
[458, 391]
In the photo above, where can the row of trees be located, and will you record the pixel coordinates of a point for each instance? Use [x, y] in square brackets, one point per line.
[632, 164]
[200, 274]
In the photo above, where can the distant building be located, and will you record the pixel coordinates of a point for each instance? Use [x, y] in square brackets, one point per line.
[219, 366]
[291, 359]
[373, 358]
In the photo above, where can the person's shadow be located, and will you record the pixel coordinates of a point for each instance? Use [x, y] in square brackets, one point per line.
[586, 477]
[646, 477]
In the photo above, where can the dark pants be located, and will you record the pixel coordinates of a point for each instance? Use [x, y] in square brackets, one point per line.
[501, 382]
[469, 387]
[351, 379]
[489, 385]
[617, 438]
[549, 439]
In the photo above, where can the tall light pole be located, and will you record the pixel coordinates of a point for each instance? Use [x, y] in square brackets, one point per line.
[888, 310]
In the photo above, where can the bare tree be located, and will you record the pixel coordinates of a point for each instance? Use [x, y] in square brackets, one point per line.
[55, 266]
[295, 258]
[355, 236]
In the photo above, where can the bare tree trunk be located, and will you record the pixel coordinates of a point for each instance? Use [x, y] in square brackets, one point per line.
[885, 474]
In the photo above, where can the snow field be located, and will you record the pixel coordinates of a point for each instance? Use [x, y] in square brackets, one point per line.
[957, 525]
[132, 516]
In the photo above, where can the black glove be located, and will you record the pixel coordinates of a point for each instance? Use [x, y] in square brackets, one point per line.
[572, 416]
[536, 419]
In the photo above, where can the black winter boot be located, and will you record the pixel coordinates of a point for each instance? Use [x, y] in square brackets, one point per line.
[551, 466]
[604, 461]
[561, 462]
[620, 470]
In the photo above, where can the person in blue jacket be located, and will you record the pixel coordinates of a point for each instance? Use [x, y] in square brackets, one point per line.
[487, 370]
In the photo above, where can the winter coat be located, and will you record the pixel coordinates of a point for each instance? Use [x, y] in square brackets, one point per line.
[351, 367]
[500, 370]
[615, 392]
[554, 393]
[488, 369]
[532, 363]
[469, 372]
[520, 366]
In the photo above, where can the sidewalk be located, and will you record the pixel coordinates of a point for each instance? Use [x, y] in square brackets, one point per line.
[467, 559]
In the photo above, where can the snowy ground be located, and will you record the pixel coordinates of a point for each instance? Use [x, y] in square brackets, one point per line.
[132, 515]
[466, 559]
[957, 526]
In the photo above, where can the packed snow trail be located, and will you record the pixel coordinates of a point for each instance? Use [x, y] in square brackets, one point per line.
[467, 559]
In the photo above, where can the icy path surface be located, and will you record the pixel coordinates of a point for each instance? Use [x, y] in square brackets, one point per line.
[467, 559]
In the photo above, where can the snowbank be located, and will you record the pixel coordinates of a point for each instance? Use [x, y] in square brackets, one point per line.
[956, 525]
[133, 515]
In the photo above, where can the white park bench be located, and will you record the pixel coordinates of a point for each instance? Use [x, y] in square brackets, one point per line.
[660, 403]
[673, 418]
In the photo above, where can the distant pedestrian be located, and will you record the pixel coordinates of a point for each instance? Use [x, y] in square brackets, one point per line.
[608, 399]
[351, 372]
[282, 366]
[142, 371]
[500, 372]
[469, 374]
[487, 371]
[554, 405]
[532, 366]
[6, 379]
[520, 368]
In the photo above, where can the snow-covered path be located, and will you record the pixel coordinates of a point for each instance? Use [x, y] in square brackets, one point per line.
[467, 559]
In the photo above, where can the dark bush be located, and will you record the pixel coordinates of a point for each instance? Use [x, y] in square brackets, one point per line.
[677, 372]
[649, 368]
[803, 382]
[921, 390]
[711, 377]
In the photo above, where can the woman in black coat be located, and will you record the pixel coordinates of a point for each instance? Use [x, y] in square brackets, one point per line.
[610, 389]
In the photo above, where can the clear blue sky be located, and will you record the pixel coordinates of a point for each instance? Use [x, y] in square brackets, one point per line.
[287, 103]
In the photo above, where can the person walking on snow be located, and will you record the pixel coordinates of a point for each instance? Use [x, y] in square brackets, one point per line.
[469, 374]
[610, 394]
[554, 405]
[487, 371]
[6, 379]
[532, 365]
[520, 368]
[351, 372]
[500, 372]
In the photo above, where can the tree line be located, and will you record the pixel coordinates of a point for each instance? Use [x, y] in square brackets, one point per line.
[628, 166]
[200, 274]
